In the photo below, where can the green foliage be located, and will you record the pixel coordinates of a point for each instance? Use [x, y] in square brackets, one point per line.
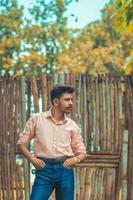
[10, 39]
[32, 47]
[55, 34]
[45, 44]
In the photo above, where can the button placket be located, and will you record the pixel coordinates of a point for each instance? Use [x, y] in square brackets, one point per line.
[54, 139]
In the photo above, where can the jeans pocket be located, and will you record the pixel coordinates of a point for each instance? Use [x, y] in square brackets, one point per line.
[40, 169]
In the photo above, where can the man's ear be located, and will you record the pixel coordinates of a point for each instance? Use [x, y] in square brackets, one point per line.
[55, 102]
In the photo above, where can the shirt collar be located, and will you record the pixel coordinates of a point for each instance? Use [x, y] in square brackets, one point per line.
[49, 114]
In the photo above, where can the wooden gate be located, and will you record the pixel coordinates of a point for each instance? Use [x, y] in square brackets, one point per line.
[104, 111]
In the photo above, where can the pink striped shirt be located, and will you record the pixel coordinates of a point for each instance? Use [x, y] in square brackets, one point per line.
[50, 139]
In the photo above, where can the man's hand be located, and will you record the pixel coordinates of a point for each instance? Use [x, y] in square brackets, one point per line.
[38, 163]
[70, 162]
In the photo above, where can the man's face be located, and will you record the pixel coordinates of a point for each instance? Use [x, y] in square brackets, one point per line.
[65, 102]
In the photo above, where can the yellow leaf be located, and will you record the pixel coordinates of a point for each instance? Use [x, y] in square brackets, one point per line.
[60, 4]
[6, 66]
[79, 69]
[129, 29]
[129, 69]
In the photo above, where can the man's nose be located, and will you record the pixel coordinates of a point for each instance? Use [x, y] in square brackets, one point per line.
[71, 103]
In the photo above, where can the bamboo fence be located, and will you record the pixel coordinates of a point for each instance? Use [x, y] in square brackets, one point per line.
[103, 109]
[11, 173]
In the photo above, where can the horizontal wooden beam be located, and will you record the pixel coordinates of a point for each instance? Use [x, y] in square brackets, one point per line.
[110, 160]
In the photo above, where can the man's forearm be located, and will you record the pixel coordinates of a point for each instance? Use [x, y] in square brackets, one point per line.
[38, 163]
[25, 151]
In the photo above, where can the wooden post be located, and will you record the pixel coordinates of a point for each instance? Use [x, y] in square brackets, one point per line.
[23, 114]
[124, 165]
[35, 93]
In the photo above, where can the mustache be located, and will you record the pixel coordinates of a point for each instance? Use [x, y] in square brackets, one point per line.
[69, 107]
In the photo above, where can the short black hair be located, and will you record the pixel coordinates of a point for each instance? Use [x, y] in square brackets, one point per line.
[60, 89]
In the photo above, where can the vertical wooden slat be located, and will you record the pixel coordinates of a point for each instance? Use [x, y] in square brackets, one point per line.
[104, 115]
[124, 164]
[129, 125]
[11, 96]
[94, 112]
[82, 181]
[72, 79]
[77, 184]
[44, 92]
[85, 113]
[4, 169]
[111, 89]
[0, 141]
[35, 93]
[87, 187]
[18, 175]
[97, 140]
[108, 114]
[100, 113]
[116, 113]
[2, 174]
[23, 119]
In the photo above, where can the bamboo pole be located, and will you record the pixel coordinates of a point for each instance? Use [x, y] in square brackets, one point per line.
[44, 92]
[116, 114]
[92, 148]
[35, 93]
[82, 180]
[62, 78]
[95, 164]
[49, 88]
[17, 176]
[129, 125]
[1, 140]
[99, 89]
[112, 113]
[85, 113]
[108, 114]
[5, 178]
[11, 153]
[77, 184]
[78, 95]
[97, 140]
[96, 183]
[124, 164]
[104, 115]
[67, 81]
[0, 143]
[29, 101]
[23, 114]
[72, 80]
[94, 112]
[101, 179]
[87, 187]
[88, 93]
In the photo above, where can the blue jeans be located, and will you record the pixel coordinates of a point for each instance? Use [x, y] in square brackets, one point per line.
[53, 176]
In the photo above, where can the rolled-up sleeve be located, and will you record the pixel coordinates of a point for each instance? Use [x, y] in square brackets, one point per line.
[77, 143]
[29, 131]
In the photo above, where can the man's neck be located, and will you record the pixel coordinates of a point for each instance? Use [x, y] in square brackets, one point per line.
[57, 114]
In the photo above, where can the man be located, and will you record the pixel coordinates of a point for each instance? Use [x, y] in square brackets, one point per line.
[58, 147]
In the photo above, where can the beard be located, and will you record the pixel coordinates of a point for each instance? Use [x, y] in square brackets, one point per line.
[68, 110]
